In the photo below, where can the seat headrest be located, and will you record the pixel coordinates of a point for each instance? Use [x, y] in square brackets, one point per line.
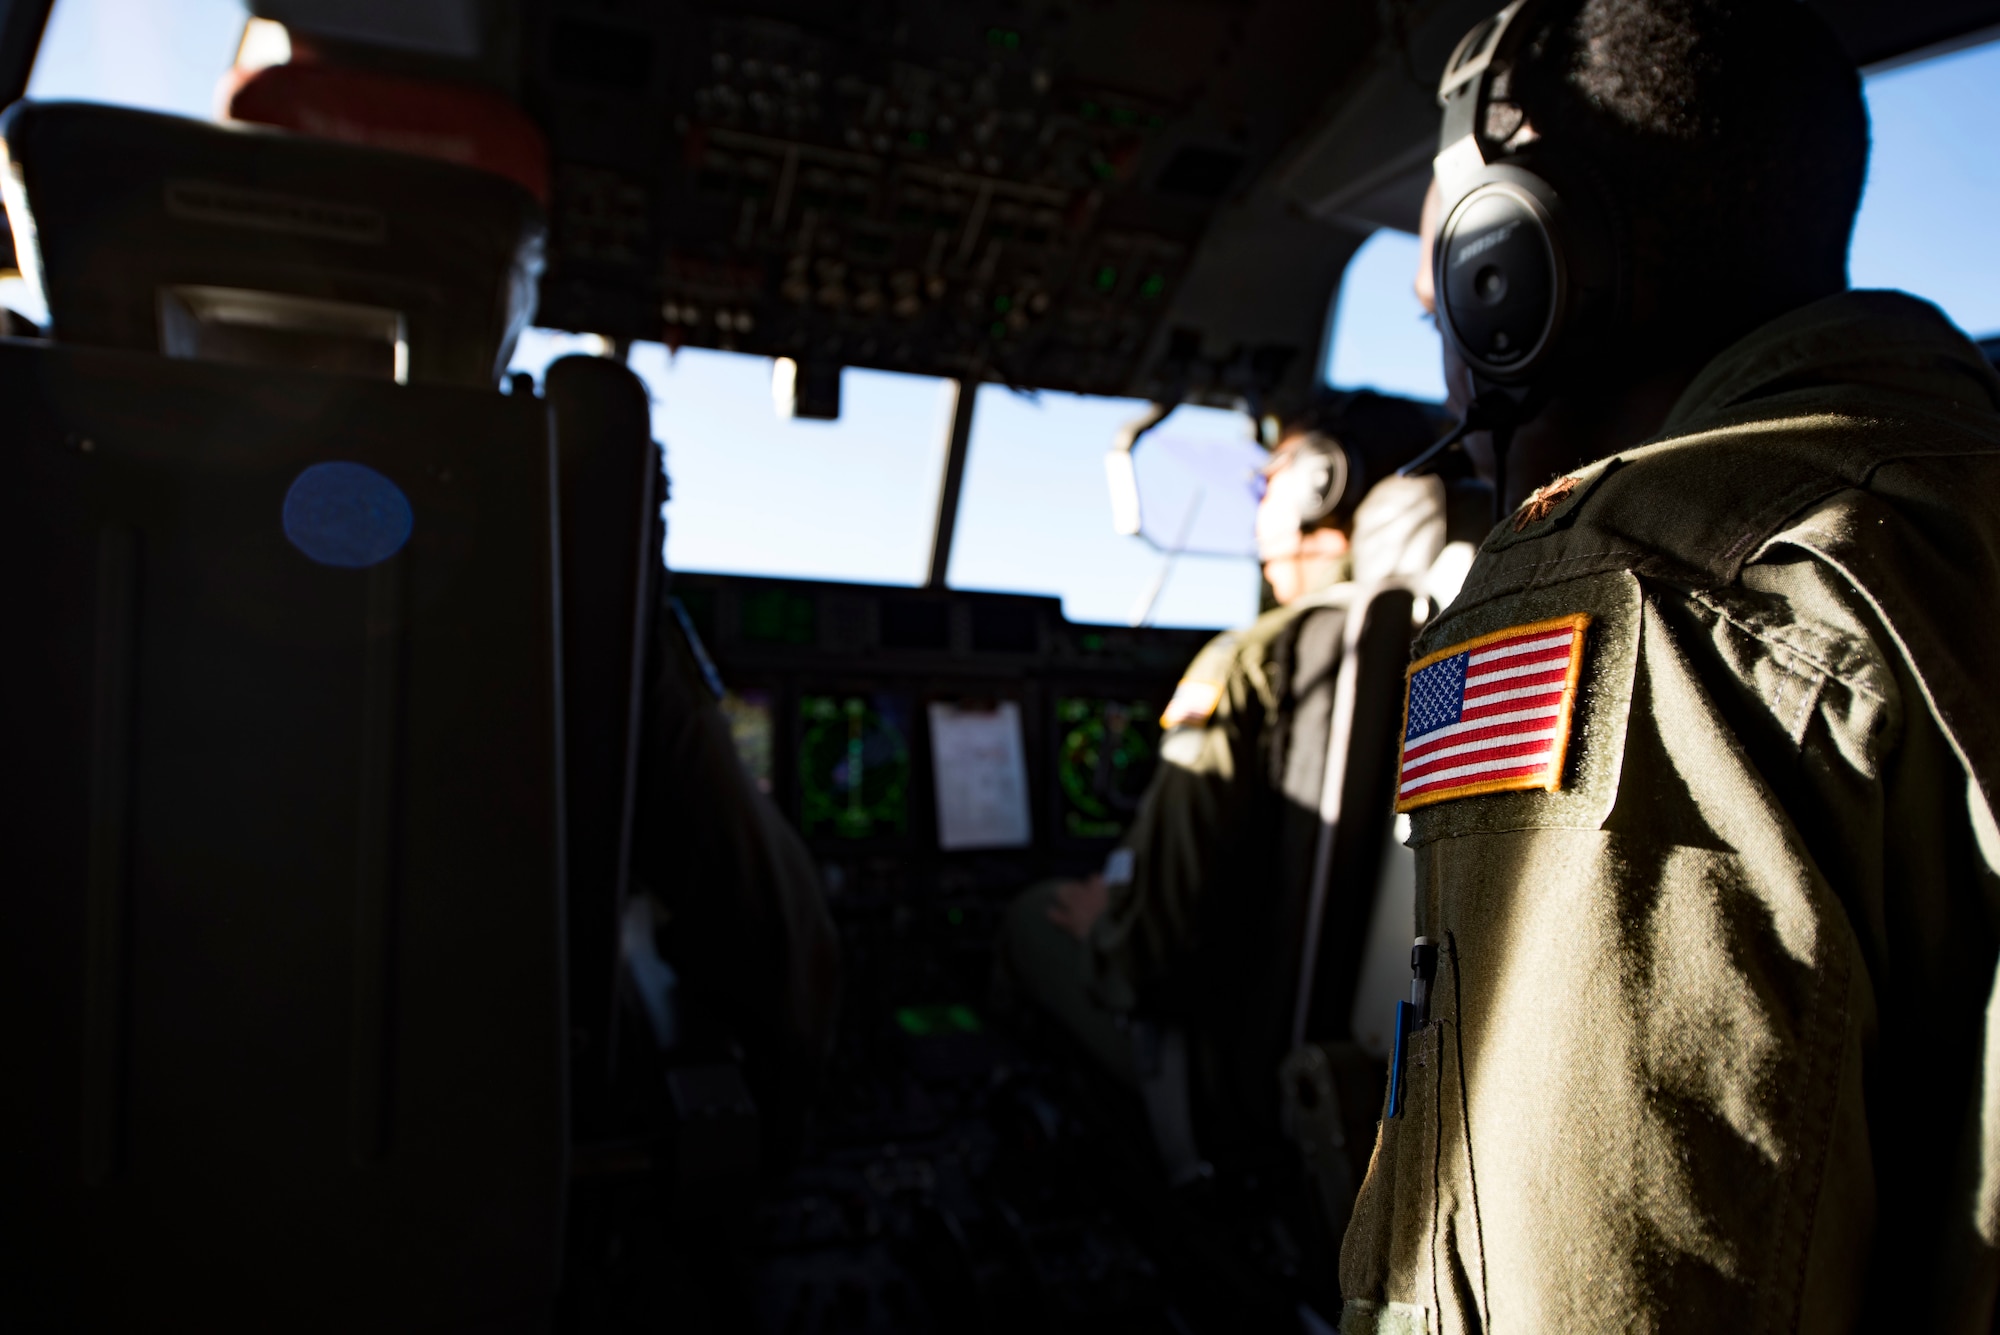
[159, 233]
[1398, 528]
[468, 126]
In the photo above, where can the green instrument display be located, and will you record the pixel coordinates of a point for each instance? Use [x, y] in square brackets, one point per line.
[751, 729]
[1104, 759]
[854, 766]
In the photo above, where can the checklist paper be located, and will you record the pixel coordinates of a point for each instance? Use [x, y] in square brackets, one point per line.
[980, 767]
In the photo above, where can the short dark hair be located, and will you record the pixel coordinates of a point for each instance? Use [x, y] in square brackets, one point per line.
[1730, 136]
[1377, 434]
[1383, 429]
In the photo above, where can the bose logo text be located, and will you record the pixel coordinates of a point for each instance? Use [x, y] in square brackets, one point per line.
[1485, 243]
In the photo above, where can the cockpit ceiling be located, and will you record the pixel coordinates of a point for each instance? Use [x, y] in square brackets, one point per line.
[1048, 194]
[1137, 197]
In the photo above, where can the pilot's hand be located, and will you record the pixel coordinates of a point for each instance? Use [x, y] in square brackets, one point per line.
[1078, 905]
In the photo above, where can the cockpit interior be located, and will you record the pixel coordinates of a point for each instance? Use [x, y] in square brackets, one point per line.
[340, 992]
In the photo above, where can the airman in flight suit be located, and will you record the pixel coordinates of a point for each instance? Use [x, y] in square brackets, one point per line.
[1713, 1023]
[1702, 767]
[1181, 926]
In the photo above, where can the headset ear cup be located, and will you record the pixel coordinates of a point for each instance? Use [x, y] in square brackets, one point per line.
[1501, 279]
[1527, 273]
[1327, 473]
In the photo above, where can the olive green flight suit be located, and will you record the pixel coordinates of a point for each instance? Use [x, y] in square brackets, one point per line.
[1228, 822]
[1714, 1040]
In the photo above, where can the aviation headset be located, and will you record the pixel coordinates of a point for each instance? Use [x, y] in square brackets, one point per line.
[1308, 483]
[1526, 265]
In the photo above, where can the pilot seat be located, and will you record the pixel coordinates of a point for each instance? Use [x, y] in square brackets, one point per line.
[299, 621]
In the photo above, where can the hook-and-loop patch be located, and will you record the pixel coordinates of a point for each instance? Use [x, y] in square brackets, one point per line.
[1491, 714]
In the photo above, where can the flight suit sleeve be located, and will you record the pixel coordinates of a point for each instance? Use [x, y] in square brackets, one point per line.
[1192, 811]
[1650, 1094]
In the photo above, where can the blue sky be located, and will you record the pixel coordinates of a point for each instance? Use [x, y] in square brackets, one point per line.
[855, 499]
[1933, 198]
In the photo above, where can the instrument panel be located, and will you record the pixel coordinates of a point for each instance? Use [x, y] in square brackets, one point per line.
[1019, 192]
[1150, 198]
[938, 738]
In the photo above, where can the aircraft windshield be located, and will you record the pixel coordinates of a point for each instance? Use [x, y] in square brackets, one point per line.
[1035, 519]
[856, 499]
[1382, 339]
[138, 53]
[1926, 222]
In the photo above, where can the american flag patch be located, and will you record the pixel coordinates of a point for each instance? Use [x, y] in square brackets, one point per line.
[1491, 714]
[1193, 702]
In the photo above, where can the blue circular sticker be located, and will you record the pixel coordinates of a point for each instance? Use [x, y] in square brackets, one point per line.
[347, 515]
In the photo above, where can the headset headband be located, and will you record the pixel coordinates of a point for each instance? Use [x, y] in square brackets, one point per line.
[1467, 94]
[1526, 264]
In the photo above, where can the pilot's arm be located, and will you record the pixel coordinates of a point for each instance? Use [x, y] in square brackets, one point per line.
[1194, 813]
